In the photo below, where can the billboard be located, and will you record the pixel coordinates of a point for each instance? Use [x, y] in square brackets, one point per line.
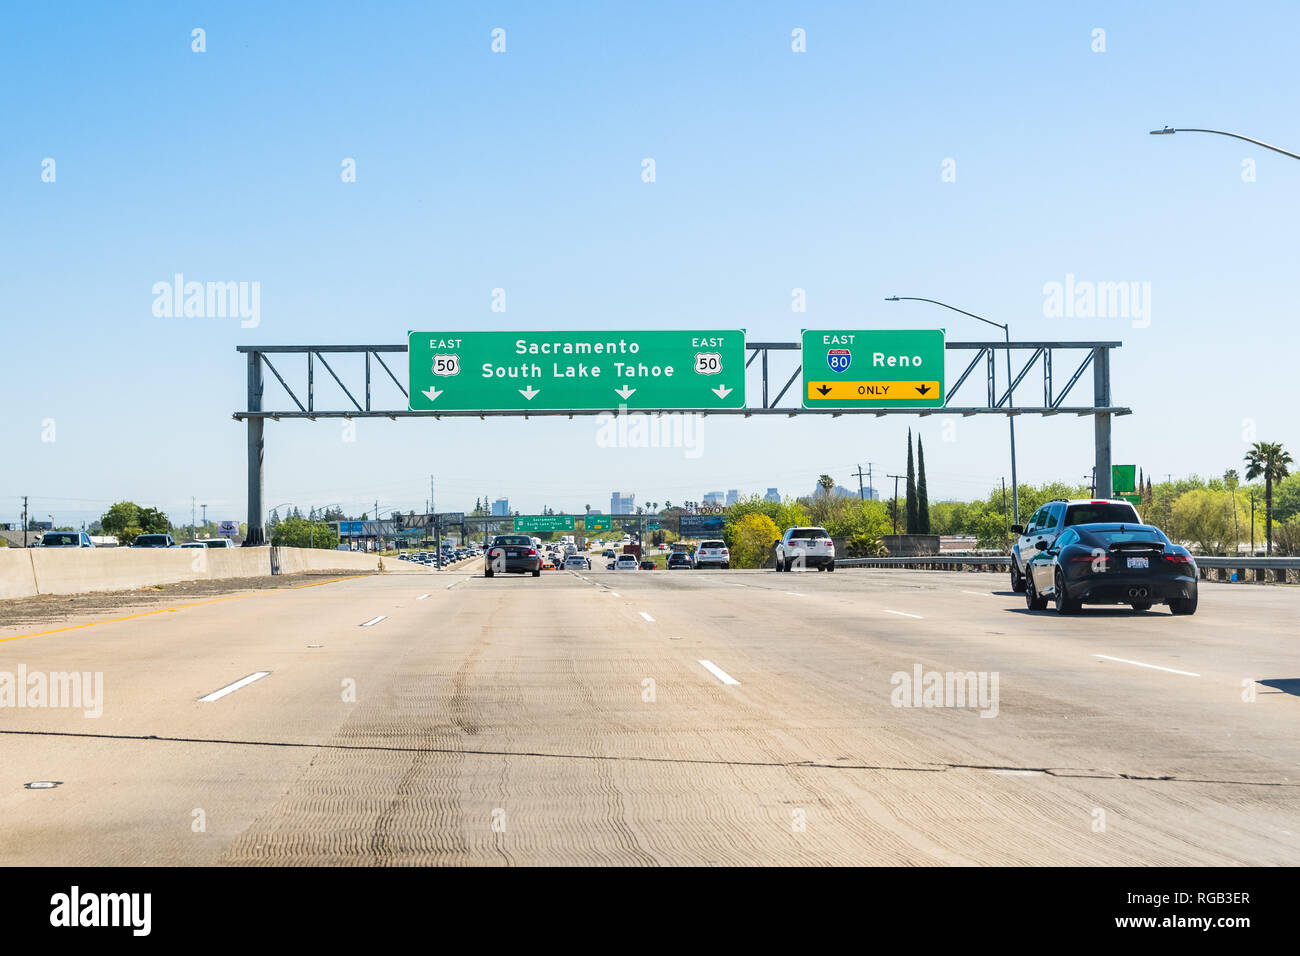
[228, 529]
[696, 525]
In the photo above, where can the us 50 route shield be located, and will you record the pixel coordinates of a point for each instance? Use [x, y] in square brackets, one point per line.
[856, 368]
[521, 371]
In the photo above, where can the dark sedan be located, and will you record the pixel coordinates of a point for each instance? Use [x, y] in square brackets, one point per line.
[512, 554]
[1131, 564]
[680, 559]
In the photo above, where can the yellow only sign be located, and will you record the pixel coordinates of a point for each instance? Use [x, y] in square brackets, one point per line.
[857, 391]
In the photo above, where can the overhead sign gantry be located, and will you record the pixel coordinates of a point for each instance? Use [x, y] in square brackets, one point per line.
[707, 378]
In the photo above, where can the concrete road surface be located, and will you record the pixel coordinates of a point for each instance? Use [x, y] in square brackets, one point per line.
[685, 717]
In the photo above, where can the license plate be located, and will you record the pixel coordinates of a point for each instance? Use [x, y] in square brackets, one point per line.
[1139, 563]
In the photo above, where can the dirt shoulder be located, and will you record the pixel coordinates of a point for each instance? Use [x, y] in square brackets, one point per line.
[55, 609]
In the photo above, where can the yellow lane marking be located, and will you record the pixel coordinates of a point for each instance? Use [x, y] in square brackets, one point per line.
[180, 607]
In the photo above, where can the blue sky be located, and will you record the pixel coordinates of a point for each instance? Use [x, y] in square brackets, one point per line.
[775, 170]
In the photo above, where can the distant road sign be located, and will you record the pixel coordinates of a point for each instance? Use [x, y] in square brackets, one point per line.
[867, 368]
[518, 371]
[533, 524]
[451, 517]
[597, 522]
[228, 529]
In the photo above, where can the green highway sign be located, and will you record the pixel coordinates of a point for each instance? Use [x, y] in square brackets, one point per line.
[653, 526]
[860, 368]
[532, 524]
[519, 371]
[597, 522]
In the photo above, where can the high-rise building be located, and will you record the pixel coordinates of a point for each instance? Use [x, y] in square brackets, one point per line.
[772, 495]
[713, 499]
[501, 507]
[622, 504]
[733, 495]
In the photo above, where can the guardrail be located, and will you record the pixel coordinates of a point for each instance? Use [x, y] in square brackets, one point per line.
[1280, 570]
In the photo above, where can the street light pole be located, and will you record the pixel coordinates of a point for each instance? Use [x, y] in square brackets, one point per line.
[1169, 131]
[1011, 401]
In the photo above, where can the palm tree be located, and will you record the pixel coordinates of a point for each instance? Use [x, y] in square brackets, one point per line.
[588, 507]
[1270, 460]
[826, 483]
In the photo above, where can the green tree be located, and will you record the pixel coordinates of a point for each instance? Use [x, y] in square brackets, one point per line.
[119, 516]
[911, 488]
[128, 534]
[296, 531]
[922, 494]
[826, 483]
[751, 540]
[153, 521]
[1203, 517]
[1286, 498]
[1268, 460]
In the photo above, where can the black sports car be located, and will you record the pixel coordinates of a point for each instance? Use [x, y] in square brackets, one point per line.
[1132, 564]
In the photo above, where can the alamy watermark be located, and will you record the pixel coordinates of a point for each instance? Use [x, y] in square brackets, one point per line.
[960, 689]
[83, 690]
[1083, 299]
[208, 300]
[664, 430]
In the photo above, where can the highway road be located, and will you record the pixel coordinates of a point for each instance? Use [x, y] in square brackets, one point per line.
[675, 718]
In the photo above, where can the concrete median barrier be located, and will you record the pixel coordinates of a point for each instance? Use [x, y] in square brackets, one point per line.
[32, 571]
[17, 579]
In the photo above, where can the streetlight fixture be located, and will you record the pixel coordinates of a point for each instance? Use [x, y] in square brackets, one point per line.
[1011, 401]
[1169, 131]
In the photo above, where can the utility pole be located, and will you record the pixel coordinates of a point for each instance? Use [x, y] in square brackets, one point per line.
[894, 507]
[860, 498]
[192, 515]
[1005, 530]
[1252, 520]
[205, 515]
[1252, 523]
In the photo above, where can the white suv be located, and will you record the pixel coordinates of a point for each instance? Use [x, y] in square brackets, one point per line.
[713, 553]
[806, 547]
[1054, 517]
[626, 562]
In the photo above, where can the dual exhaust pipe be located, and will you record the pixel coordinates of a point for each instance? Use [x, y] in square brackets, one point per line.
[1137, 592]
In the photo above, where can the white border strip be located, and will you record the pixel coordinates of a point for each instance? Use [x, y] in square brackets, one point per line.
[375, 620]
[231, 688]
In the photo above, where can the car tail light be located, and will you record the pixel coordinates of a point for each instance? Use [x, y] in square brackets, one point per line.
[725, 552]
[1179, 558]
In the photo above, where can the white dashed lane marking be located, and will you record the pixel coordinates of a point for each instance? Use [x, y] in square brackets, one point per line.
[718, 672]
[231, 688]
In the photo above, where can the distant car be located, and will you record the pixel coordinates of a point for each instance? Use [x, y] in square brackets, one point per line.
[216, 543]
[607, 553]
[66, 539]
[576, 562]
[808, 547]
[1047, 523]
[548, 562]
[647, 566]
[625, 562]
[154, 541]
[680, 559]
[1132, 564]
[713, 553]
[513, 554]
